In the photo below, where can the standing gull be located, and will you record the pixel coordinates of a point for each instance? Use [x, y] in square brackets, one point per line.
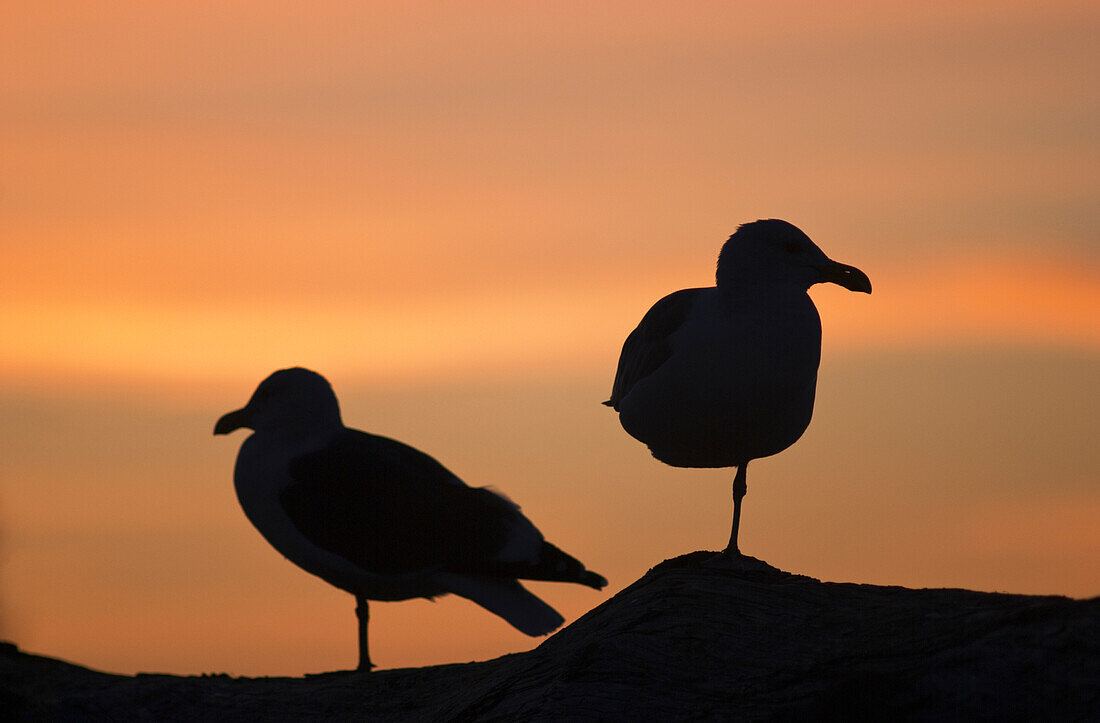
[380, 519]
[720, 376]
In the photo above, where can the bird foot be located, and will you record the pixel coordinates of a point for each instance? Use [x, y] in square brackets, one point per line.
[734, 560]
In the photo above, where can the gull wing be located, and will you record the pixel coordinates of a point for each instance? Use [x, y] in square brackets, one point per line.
[648, 346]
[391, 508]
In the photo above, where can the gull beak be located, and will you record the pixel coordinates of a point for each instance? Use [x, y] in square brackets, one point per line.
[844, 275]
[233, 421]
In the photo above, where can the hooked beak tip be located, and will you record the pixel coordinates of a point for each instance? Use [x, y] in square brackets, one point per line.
[847, 276]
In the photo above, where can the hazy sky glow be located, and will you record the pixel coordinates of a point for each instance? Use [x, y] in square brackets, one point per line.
[457, 211]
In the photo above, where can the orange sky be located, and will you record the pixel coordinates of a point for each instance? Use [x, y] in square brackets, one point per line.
[457, 213]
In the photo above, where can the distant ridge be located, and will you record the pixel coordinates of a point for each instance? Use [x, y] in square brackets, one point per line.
[684, 641]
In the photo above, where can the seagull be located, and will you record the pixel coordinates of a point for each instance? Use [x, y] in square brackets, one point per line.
[723, 375]
[380, 519]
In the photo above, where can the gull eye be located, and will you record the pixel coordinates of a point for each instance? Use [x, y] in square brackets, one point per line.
[265, 392]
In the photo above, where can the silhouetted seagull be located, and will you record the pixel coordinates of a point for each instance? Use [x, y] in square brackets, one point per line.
[720, 376]
[380, 519]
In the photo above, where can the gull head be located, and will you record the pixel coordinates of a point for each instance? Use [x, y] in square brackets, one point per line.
[293, 399]
[771, 253]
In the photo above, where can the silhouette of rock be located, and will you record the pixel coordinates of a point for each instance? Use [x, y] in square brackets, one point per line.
[685, 641]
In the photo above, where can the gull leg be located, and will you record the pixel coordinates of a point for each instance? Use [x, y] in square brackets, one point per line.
[739, 490]
[362, 611]
[731, 557]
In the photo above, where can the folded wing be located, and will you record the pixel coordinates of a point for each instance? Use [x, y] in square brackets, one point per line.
[392, 509]
[648, 346]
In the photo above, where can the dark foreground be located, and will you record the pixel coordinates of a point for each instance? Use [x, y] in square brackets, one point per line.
[685, 641]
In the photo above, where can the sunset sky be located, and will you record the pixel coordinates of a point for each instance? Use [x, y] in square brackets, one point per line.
[457, 212]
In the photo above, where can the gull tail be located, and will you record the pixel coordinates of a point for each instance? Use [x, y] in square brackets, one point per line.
[559, 566]
[508, 599]
[551, 564]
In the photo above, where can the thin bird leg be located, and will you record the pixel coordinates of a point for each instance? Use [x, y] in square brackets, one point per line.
[739, 490]
[362, 611]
